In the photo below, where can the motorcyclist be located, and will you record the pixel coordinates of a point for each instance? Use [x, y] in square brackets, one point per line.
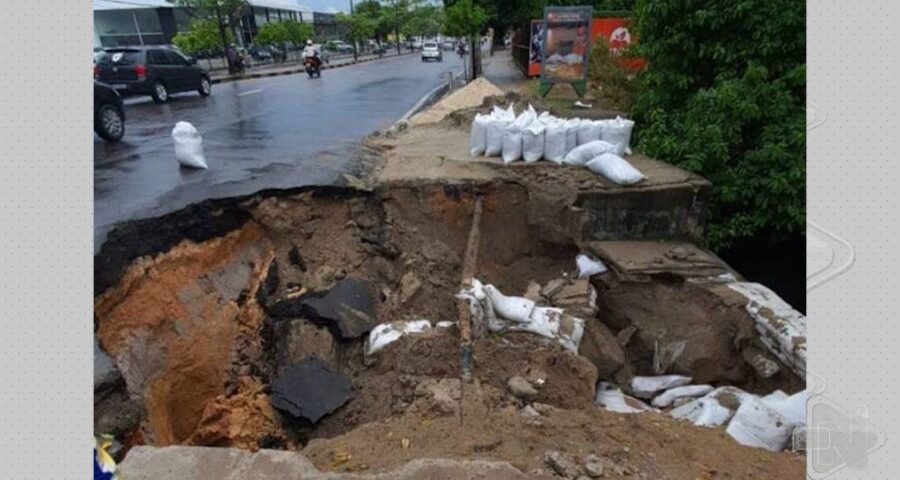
[311, 53]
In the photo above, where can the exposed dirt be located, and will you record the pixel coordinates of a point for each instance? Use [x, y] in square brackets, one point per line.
[649, 445]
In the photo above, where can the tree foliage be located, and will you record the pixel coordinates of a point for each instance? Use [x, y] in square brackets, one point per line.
[724, 95]
[284, 31]
[203, 37]
[465, 18]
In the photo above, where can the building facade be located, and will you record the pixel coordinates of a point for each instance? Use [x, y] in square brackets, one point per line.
[155, 22]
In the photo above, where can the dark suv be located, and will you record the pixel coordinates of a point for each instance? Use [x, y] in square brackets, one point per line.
[153, 71]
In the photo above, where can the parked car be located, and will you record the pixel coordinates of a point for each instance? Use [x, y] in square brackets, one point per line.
[430, 51]
[260, 54]
[340, 47]
[109, 116]
[153, 71]
[448, 45]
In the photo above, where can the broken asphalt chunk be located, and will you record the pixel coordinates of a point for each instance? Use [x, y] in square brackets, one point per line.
[346, 309]
[310, 390]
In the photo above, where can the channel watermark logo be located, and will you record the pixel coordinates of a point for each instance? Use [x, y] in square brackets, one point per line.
[835, 438]
[815, 116]
[827, 255]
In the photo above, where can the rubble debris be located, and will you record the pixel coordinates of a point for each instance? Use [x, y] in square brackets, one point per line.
[611, 398]
[521, 389]
[714, 409]
[296, 259]
[671, 395]
[762, 365]
[444, 394]
[310, 390]
[409, 286]
[602, 348]
[646, 387]
[296, 339]
[782, 329]
[346, 309]
[564, 465]
[115, 412]
[577, 297]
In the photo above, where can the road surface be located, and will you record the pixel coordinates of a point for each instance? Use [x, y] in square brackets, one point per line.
[275, 132]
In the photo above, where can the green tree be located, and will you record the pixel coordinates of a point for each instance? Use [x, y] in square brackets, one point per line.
[360, 26]
[424, 21]
[465, 19]
[203, 37]
[225, 13]
[279, 33]
[724, 95]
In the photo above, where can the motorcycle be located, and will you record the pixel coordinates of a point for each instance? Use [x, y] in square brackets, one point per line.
[313, 66]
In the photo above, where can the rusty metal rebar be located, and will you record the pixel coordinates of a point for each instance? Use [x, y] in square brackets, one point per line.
[467, 331]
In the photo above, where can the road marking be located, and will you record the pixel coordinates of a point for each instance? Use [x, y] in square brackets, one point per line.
[249, 92]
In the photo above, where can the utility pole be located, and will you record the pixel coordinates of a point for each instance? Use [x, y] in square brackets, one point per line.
[355, 52]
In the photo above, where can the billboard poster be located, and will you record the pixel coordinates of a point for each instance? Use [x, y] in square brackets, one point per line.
[615, 30]
[566, 44]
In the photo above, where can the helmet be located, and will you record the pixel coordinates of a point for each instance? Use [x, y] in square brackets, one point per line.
[308, 41]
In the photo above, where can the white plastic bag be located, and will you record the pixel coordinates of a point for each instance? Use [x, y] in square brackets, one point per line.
[703, 412]
[582, 154]
[646, 387]
[588, 267]
[478, 135]
[756, 425]
[514, 309]
[615, 168]
[671, 395]
[533, 142]
[618, 133]
[588, 131]
[552, 323]
[188, 146]
[572, 134]
[555, 142]
[792, 408]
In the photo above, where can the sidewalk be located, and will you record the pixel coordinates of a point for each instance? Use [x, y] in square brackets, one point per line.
[502, 72]
[295, 67]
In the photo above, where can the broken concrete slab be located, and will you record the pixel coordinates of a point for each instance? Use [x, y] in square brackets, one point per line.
[346, 309]
[636, 259]
[203, 463]
[782, 329]
[310, 390]
[115, 412]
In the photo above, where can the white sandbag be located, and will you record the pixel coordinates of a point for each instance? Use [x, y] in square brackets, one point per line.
[478, 135]
[588, 131]
[618, 133]
[512, 136]
[703, 412]
[756, 425]
[555, 142]
[615, 169]
[499, 120]
[646, 387]
[533, 142]
[387, 333]
[612, 399]
[671, 395]
[552, 323]
[582, 154]
[514, 309]
[188, 146]
[792, 408]
[512, 145]
[588, 267]
[572, 134]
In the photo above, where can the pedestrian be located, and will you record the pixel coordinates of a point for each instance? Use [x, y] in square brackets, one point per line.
[231, 54]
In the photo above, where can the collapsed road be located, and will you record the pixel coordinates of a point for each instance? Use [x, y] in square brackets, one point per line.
[258, 134]
[214, 318]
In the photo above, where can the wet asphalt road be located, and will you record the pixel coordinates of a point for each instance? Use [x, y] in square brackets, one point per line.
[275, 132]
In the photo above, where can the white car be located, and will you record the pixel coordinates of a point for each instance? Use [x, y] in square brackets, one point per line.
[431, 51]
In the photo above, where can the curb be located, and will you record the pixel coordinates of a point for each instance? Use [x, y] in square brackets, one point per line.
[293, 71]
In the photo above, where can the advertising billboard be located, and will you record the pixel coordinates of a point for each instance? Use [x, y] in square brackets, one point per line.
[566, 44]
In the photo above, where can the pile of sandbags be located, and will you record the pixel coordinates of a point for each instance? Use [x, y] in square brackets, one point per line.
[502, 313]
[596, 144]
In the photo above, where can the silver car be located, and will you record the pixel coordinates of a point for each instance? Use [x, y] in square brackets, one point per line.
[431, 51]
